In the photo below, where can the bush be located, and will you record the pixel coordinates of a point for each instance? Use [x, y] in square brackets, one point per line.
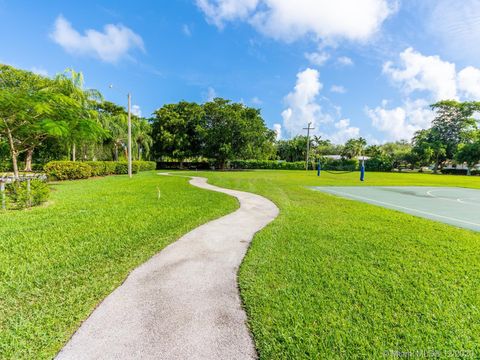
[454, 171]
[99, 168]
[121, 168]
[68, 170]
[19, 197]
[145, 165]
[379, 163]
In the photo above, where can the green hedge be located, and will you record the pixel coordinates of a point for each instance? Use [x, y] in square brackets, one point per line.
[68, 170]
[145, 165]
[19, 197]
[72, 170]
[459, 172]
[327, 164]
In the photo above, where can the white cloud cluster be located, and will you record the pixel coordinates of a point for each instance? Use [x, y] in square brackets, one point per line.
[457, 25]
[339, 89]
[220, 11]
[290, 20]
[430, 77]
[345, 61]
[344, 132]
[110, 45]
[317, 58]
[302, 107]
[278, 131]
[136, 110]
[424, 73]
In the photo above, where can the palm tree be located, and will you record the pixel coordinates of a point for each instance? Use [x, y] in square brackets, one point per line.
[142, 131]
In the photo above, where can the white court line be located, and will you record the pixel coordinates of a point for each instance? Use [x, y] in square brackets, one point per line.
[458, 200]
[401, 207]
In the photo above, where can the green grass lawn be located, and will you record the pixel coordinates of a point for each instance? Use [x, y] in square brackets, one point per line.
[57, 262]
[337, 279]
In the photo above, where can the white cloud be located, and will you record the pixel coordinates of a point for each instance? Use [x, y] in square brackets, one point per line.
[344, 132]
[435, 79]
[186, 30]
[220, 11]
[278, 130]
[136, 110]
[345, 61]
[457, 25]
[339, 89]
[211, 94]
[290, 20]
[39, 71]
[110, 45]
[302, 106]
[256, 101]
[401, 122]
[424, 73]
[469, 82]
[317, 58]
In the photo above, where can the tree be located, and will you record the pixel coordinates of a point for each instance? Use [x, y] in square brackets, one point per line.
[142, 130]
[235, 131]
[469, 153]
[28, 112]
[354, 148]
[178, 130]
[81, 111]
[453, 124]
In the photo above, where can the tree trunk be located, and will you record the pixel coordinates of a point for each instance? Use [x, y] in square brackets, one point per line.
[74, 152]
[13, 153]
[28, 160]
[115, 153]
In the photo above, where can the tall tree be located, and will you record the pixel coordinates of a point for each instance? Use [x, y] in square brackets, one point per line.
[354, 148]
[178, 130]
[453, 124]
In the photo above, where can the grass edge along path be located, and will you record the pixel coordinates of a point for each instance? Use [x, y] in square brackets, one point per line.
[59, 261]
[333, 278]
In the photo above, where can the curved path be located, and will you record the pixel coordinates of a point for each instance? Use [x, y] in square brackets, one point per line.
[184, 302]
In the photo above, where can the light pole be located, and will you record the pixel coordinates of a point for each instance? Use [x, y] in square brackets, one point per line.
[129, 141]
[308, 128]
[129, 135]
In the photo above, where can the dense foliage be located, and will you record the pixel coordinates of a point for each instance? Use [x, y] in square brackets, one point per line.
[43, 119]
[25, 194]
[74, 170]
[49, 119]
[219, 130]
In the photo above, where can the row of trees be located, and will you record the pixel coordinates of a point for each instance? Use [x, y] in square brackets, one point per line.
[44, 119]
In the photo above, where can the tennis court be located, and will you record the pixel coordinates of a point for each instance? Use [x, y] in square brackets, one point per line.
[451, 205]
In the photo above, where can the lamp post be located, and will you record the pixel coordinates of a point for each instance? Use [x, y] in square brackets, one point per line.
[129, 141]
[129, 136]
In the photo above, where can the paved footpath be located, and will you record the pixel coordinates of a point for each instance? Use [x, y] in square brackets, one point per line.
[184, 302]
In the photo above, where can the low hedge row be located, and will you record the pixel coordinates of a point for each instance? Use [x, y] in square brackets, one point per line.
[326, 163]
[459, 172]
[73, 170]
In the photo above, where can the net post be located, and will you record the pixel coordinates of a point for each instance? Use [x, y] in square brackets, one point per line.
[319, 168]
[362, 170]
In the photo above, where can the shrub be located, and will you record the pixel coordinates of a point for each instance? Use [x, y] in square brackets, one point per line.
[99, 168]
[121, 168]
[68, 170]
[19, 196]
[145, 165]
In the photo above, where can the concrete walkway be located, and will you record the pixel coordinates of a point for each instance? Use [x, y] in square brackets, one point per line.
[184, 302]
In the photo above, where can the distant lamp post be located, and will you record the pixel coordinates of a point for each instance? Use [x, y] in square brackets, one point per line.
[129, 146]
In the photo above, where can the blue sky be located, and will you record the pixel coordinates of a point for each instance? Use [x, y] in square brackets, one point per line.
[352, 67]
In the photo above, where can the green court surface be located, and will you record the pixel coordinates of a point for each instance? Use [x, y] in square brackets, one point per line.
[451, 205]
